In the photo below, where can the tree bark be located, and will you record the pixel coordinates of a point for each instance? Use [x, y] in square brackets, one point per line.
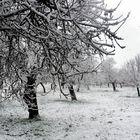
[138, 91]
[72, 93]
[30, 97]
[114, 86]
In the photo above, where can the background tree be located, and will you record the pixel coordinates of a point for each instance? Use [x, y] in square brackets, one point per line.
[133, 72]
[100, 78]
[123, 78]
[110, 72]
[90, 66]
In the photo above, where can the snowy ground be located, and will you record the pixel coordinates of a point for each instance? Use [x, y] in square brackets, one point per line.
[99, 114]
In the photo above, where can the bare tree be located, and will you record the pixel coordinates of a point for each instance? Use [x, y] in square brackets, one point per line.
[133, 72]
[110, 72]
[123, 78]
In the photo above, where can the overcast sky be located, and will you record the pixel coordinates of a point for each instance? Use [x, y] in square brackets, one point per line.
[130, 31]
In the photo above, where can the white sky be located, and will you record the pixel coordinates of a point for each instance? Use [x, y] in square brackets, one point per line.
[130, 31]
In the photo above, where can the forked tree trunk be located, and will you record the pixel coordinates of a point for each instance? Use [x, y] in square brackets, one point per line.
[114, 86]
[30, 97]
[72, 92]
[138, 91]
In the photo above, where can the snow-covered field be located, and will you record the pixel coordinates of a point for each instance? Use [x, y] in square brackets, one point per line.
[99, 114]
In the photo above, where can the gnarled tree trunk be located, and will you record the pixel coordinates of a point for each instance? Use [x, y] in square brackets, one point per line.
[30, 97]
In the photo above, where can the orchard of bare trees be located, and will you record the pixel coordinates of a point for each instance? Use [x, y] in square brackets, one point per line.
[60, 42]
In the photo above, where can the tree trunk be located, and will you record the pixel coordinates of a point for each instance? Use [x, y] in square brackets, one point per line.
[108, 85]
[138, 91]
[72, 92]
[30, 97]
[88, 88]
[114, 86]
[78, 89]
[63, 82]
[1, 70]
[1, 84]
[79, 84]
[100, 84]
